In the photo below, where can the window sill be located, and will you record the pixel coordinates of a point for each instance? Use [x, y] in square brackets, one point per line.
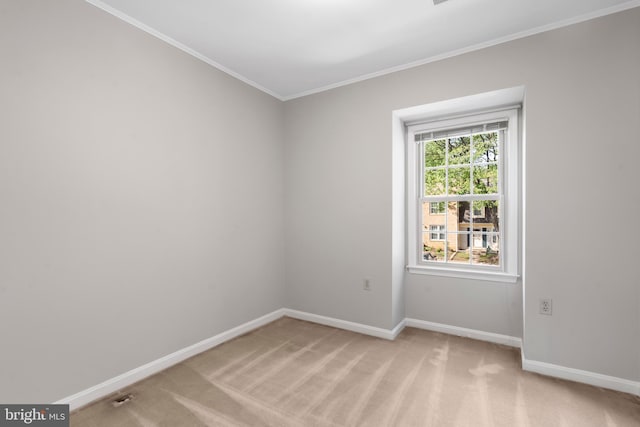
[490, 276]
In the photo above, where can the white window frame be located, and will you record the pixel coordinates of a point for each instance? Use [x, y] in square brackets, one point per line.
[508, 179]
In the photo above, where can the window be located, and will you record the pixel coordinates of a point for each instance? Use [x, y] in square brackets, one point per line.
[436, 208]
[465, 170]
[437, 232]
[479, 211]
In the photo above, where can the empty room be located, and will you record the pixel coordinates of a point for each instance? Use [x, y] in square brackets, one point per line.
[319, 213]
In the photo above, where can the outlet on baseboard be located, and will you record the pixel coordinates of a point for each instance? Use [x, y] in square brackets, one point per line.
[546, 306]
[366, 285]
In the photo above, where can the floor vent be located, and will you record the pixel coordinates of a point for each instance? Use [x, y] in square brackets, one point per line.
[121, 400]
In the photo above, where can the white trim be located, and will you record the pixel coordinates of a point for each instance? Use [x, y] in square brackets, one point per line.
[399, 328]
[126, 379]
[147, 29]
[121, 381]
[544, 28]
[490, 276]
[345, 324]
[500, 40]
[508, 178]
[486, 102]
[578, 375]
[464, 332]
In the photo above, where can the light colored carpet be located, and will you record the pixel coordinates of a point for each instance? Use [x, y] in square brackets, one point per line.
[295, 373]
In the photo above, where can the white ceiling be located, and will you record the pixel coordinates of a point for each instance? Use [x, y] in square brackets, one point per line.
[291, 48]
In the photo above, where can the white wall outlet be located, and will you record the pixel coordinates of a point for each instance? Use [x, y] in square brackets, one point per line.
[366, 285]
[546, 306]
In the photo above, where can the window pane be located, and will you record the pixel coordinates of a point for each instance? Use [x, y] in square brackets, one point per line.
[458, 248]
[433, 233]
[460, 150]
[436, 233]
[486, 249]
[436, 208]
[433, 224]
[434, 182]
[485, 147]
[486, 215]
[432, 251]
[434, 152]
[485, 179]
[459, 180]
[457, 220]
[458, 242]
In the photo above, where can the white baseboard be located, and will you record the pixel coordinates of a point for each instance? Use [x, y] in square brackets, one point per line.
[586, 377]
[389, 334]
[399, 327]
[464, 332]
[122, 381]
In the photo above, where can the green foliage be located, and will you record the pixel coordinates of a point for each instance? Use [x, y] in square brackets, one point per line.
[459, 150]
[434, 182]
[434, 153]
[485, 147]
[459, 180]
[462, 160]
[491, 258]
[485, 179]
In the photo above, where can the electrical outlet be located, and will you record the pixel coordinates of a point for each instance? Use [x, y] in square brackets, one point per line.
[367, 285]
[546, 306]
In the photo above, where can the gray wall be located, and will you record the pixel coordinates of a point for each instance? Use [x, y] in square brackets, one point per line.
[338, 204]
[582, 148]
[141, 199]
[135, 177]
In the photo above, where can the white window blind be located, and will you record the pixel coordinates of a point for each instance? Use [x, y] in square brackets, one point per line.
[461, 131]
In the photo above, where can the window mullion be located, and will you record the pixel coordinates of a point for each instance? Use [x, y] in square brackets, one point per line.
[502, 153]
[460, 198]
[470, 248]
[501, 242]
[446, 203]
[471, 164]
[420, 208]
